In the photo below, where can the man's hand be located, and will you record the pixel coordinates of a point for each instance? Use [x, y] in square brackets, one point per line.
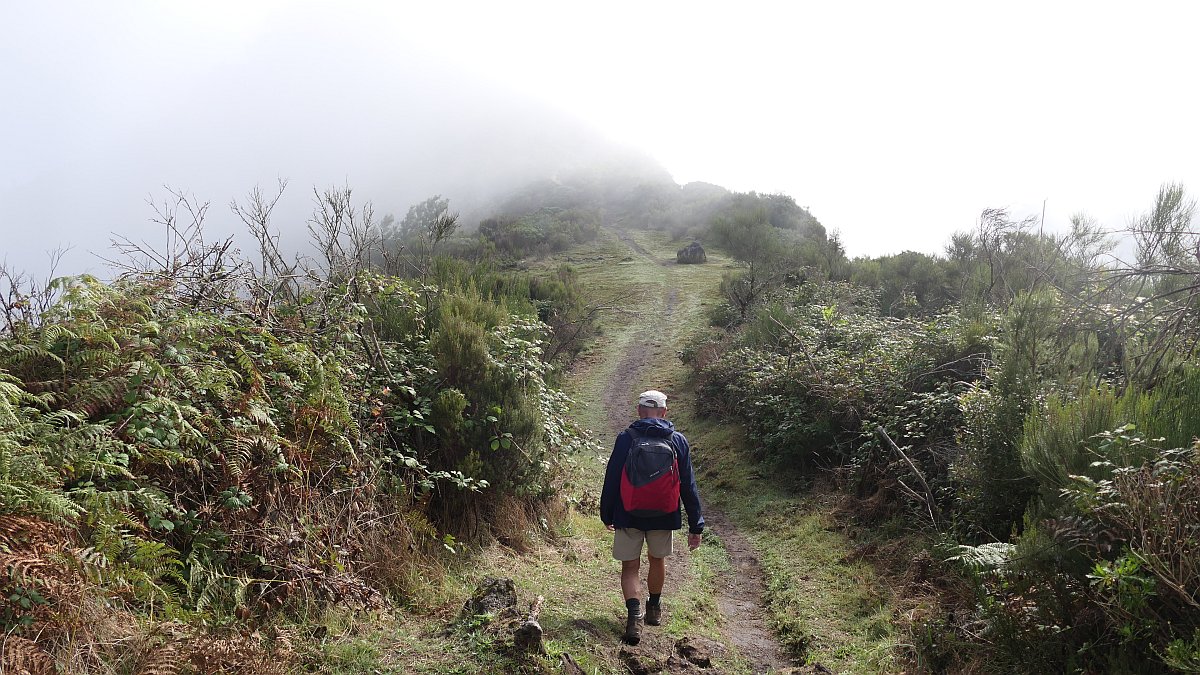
[693, 541]
[610, 528]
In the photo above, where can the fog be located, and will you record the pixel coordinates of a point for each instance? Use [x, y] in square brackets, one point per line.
[113, 108]
[895, 124]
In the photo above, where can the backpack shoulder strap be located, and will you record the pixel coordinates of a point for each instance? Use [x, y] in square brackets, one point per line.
[635, 436]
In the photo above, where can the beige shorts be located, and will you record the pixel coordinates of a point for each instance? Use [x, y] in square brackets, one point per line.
[627, 543]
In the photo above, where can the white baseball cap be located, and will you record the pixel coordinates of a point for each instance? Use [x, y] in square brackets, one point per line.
[652, 399]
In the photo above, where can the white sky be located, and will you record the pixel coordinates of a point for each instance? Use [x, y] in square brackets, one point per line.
[895, 123]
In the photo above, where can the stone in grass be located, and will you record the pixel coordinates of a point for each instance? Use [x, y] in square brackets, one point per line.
[691, 254]
[527, 638]
[495, 597]
[570, 667]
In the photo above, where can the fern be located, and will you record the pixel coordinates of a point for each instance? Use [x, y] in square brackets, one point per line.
[28, 354]
[24, 656]
[89, 562]
[54, 333]
[245, 363]
[96, 398]
[990, 558]
[97, 335]
[189, 377]
[8, 414]
[130, 418]
[161, 659]
[27, 485]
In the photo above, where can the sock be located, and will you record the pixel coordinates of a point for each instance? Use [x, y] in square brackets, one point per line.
[632, 605]
[654, 597]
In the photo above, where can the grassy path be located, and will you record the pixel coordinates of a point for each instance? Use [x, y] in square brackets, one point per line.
[661, 305]
[667, 306]
[826, 605]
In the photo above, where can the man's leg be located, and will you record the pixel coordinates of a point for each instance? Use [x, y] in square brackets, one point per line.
[630, 583]
[627, 547]
[655, 577]
[659, 545]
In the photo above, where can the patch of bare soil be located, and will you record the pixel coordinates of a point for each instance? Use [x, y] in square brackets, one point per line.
[740, 597]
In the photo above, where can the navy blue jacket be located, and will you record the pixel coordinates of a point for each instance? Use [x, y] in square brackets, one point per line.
[613, 512]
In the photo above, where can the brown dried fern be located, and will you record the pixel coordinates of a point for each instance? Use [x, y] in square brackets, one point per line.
[36, 556]
[163, 659]
[269, 652]
[28, 567]
[21, 532]
[24, 657]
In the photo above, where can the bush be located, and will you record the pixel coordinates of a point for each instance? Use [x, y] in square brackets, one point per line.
[547, 230]
[1070, 437]
[197, 463]
[819, 369]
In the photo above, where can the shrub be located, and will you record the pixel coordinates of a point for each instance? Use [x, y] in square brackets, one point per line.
[1069, 437]
[199, 463]
[547, 230]
[991, 488]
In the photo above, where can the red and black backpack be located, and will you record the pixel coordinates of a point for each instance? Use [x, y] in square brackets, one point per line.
[650, 479]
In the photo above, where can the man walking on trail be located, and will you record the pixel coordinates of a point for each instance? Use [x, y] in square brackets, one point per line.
[649, 472]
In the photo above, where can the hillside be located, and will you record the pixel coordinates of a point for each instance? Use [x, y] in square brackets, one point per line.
[911, 463]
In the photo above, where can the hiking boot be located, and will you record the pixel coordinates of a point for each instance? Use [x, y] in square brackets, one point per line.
[653, 615]
[633, 628]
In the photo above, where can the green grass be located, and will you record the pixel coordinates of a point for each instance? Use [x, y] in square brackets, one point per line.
[351, 642]
[823, 605]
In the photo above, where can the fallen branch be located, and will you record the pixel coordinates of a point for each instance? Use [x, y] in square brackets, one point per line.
[528, 636]
[927, 497]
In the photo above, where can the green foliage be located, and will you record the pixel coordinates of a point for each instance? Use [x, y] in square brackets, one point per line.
[989, 558]
[749, 237]
[210, 461]
[555, 299]
[819, 369]
[1030, 408]
[992, 489]
[425, 220]
[1099, 429]
[1114, 582]
[909, 283]
[1183, 654]
[547, 230]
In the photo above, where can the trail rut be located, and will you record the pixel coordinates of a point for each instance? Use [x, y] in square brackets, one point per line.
[740, 597]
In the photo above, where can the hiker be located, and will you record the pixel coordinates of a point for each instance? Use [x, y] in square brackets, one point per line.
[649, 472]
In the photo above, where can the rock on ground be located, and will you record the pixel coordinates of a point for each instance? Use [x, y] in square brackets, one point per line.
[691, 254]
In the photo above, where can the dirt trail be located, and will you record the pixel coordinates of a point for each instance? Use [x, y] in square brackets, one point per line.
[740, 596]
[739, 592]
